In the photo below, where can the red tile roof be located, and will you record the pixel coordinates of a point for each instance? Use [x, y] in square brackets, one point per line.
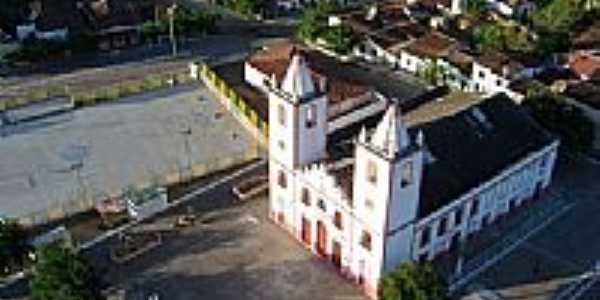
[275, 60]
[432, 45]
[585, 64]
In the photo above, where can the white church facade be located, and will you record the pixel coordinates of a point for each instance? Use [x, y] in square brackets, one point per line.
[391, 189]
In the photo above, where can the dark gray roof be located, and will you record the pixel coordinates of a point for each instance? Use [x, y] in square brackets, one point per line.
[468, 150]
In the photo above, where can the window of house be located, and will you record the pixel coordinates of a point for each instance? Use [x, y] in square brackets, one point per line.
[281, 114]
[321, 205]
[425, 236]
[458, 216]
[337, 220]
[481, 74]
[544, 161]
[306, 196]
[369, 203]
[281, 144]
[407, 174]
[442, 227]
[498, 82]
[282, 179]
[311, 116]
[474, 207]
[267, 82]
[365, 240]
[371, 172]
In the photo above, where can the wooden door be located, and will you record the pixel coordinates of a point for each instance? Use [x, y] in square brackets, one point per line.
[321, 238]
[306, 238]
[336, 257]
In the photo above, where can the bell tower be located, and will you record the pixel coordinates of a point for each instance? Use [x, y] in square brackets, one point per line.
[298, 116]
[387, 181]
[297, 132]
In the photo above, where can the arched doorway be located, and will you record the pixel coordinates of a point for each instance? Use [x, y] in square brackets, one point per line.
[321, 238]
[306, 238]
[336, 257]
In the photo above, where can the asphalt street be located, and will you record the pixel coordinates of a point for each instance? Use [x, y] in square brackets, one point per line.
[554, 258]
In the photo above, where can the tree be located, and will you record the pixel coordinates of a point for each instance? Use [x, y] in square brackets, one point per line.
[340, 39]
[558, 16]
[60, 274]
[313, 22]
[245, 7]
[432, 73]
[567, 121]
[476, 8]
[412, 282]
[489, 36]
[13, 246]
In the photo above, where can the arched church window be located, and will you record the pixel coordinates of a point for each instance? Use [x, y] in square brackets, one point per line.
[306, 196]
[407, 174]
[281, 114]
[311, 116]
[282, 179]
[371, 172]
[365, 240]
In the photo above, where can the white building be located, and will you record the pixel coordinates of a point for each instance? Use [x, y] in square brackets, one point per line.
[393, 188]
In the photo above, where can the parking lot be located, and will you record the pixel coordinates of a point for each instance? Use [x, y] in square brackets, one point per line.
[233, 252]
[555, 258]
[95, 151]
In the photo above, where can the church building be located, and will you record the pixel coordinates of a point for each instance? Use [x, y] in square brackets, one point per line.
[396, 186]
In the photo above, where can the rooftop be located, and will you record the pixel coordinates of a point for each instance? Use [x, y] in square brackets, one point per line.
[584, 64]
[585, 92]
[276, 59]
[499, 63]
[589, 38]
[433, 45]
[470, 139]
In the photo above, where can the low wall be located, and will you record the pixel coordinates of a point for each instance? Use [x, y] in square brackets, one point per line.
[235, 104]
[65, 209]
[86, 96]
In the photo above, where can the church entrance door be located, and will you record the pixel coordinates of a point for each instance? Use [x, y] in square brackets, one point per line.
[321, 238]
[306, 231]
[336, 258]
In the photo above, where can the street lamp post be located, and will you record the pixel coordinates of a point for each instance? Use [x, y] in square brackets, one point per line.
[171, 12]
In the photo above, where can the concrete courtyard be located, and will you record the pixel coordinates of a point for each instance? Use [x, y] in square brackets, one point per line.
[234, 253]
[99, 150]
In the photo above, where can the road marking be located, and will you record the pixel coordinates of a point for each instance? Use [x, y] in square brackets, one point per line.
[579, 286]
[550, 255]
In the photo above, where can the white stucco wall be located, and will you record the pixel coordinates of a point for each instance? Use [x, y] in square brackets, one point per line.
[516, 183]
[255, 78]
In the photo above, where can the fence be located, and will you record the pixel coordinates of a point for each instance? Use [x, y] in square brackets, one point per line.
[65, 209]
[236, 104]
[85, 96]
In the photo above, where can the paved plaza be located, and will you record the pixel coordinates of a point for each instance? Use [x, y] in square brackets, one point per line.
[100, 150]
[233, 252]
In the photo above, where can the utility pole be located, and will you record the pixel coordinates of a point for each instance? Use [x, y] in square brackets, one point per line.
[171, 12]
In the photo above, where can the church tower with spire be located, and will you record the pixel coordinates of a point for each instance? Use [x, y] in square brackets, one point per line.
[386, 194]
[297, 131]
